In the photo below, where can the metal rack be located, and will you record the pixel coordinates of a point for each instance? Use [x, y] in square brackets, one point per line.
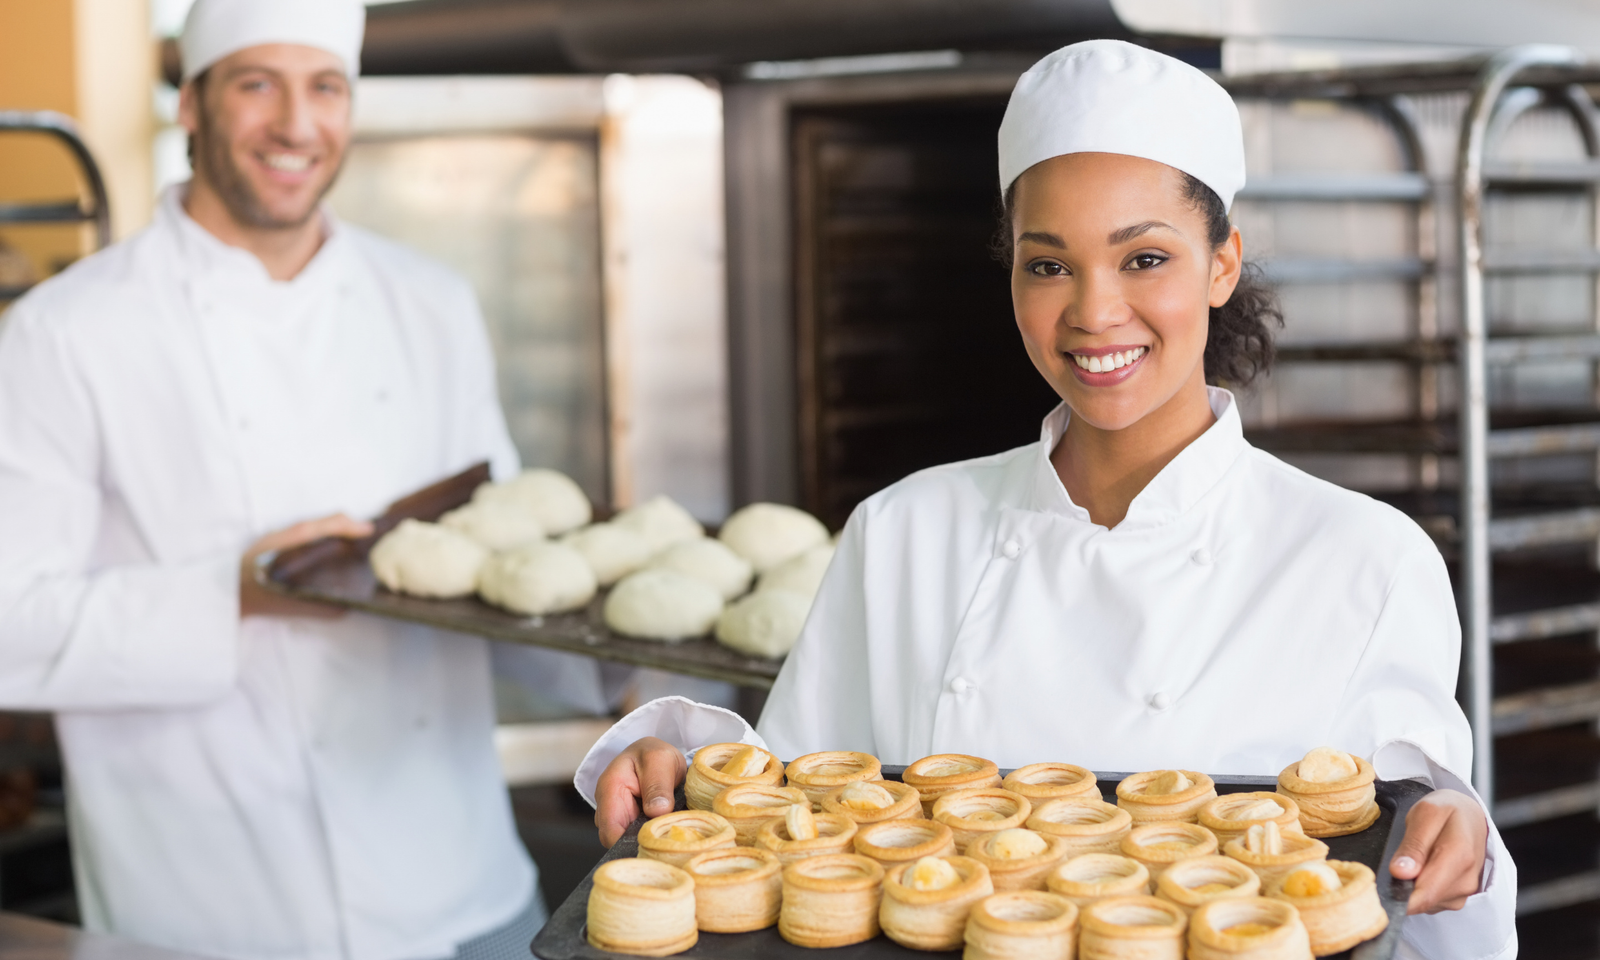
[97, 211]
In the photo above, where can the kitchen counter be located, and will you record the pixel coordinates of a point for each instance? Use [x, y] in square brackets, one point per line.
[28, 938]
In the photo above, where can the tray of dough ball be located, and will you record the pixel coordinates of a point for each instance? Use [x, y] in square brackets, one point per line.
[529, 560]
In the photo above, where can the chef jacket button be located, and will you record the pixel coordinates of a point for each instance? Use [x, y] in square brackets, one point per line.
[1011, 548]
[1159, 701]
[960, 685]
[1201, 557]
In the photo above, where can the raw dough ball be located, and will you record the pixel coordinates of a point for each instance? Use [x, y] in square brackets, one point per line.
[661, 522]
[662, 605]
[764, 624]
[803, 574]
[767, 534]
[554, 500]
[498, 523]
[427, 560]
[708, 560]
[613, 552]
[538, 578]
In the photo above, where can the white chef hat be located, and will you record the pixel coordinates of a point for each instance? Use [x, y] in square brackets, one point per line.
[216, 28]
[1108, 96]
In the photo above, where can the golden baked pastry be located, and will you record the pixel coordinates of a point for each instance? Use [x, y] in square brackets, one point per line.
[1334, 790]
[975, 812]
[723, 765]
[1161, 795]
[1271, 853]
[829, 833]
[642, 907]
[1337, 901]
[1088, 824]
[736, 890]
[830, 901]
[1022, 925]
[1250, 927]
[748, 806]
[873, 801]
[820, 773]
[939, 774]
[1098, 876]
[1018, 859]
[893, 842]
[1131, 928]
[1232, 814]
[1051, 781]
[678, 837]
[1197, 881]
[926, 902]
[1160, 845]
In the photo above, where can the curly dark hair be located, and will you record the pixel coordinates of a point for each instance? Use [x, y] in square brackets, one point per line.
[1239, 346]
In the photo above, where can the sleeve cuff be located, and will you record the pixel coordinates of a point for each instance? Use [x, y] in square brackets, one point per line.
[679, 721]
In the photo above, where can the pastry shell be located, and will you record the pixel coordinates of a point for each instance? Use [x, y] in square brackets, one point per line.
[642, 907]
[1149, 844]
[932, 919]
[1131, 928]
[1209, 938]
[748, 806]
[1021, 873]
[1022, 925]
[715, 834]
[811, 774]
[1088, 824]
[1052, 781]
[1179, 883]
[1159, 807]
[1273, 867]
[907, 804]
[1214, 816]
[836, 833]
[1099, 876]
[966, 812]
[705, 778]
[894, 842]
[1340, 919]
[830, 901]
[1335, 808]
[736, 890]
[939, 774]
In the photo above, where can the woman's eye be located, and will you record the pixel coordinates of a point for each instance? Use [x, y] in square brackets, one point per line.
[1145, 261]
[1046, 268]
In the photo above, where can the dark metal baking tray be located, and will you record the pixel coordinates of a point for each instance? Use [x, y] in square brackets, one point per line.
[336, 572]
[563, 937]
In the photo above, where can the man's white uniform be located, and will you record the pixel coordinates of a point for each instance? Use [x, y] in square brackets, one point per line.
[265, 788]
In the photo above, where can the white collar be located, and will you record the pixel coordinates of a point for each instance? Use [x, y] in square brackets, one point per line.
[202, 252]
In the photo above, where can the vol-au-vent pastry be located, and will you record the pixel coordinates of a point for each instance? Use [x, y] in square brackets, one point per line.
[874, 801]
[662, 605]
[830, 901]
[926, 902]
[1200, 880]
[1248, 928]
[736, 890]
[1334, 791]
[679, 837]
[1337, 901]
[747, 806]
[643, 907]
[984, 810]
[1098, 876]
[722, 765]
[939, 774]
[428, 560]
[537, 578]
[1087, 824]
[1272, 853]
[1131, 928]
[893, 842]
[1160, 845]
[1051, 781]
[1161, 795]
[1022, 925]
[819, 773]
[1018, 859]
[799, 833]
[1231, 815]
[767, 534]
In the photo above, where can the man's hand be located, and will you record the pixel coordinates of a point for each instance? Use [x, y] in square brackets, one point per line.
[651, 769]
[257, 601]
[1443, 850]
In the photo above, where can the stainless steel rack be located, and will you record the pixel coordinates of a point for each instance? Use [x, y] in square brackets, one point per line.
[97, 209]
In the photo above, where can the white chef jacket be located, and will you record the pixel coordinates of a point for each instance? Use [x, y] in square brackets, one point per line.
[1242, 613]
[269, 787]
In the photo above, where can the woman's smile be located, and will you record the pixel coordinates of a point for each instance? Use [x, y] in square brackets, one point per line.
[1105, 366]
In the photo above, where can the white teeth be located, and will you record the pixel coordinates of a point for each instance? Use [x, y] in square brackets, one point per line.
[1110, 361]
[1121, 360]
[287, 162]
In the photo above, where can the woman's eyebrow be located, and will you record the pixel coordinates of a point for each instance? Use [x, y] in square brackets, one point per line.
[1048, 239]
[1125, 234]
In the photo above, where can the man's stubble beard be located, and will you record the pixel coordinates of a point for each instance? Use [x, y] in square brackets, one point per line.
[214, 162]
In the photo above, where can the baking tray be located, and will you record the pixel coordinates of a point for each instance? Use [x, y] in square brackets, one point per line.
[563, 936]
[335, 571]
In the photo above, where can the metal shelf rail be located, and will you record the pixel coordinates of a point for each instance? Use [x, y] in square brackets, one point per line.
[98, 209]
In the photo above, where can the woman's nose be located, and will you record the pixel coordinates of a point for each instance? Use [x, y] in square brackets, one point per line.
[1098, 306]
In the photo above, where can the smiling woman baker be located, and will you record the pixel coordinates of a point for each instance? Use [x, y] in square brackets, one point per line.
[1140, 589]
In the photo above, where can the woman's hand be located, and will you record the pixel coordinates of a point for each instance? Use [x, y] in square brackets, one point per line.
[650, 769]
[1443, 850]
